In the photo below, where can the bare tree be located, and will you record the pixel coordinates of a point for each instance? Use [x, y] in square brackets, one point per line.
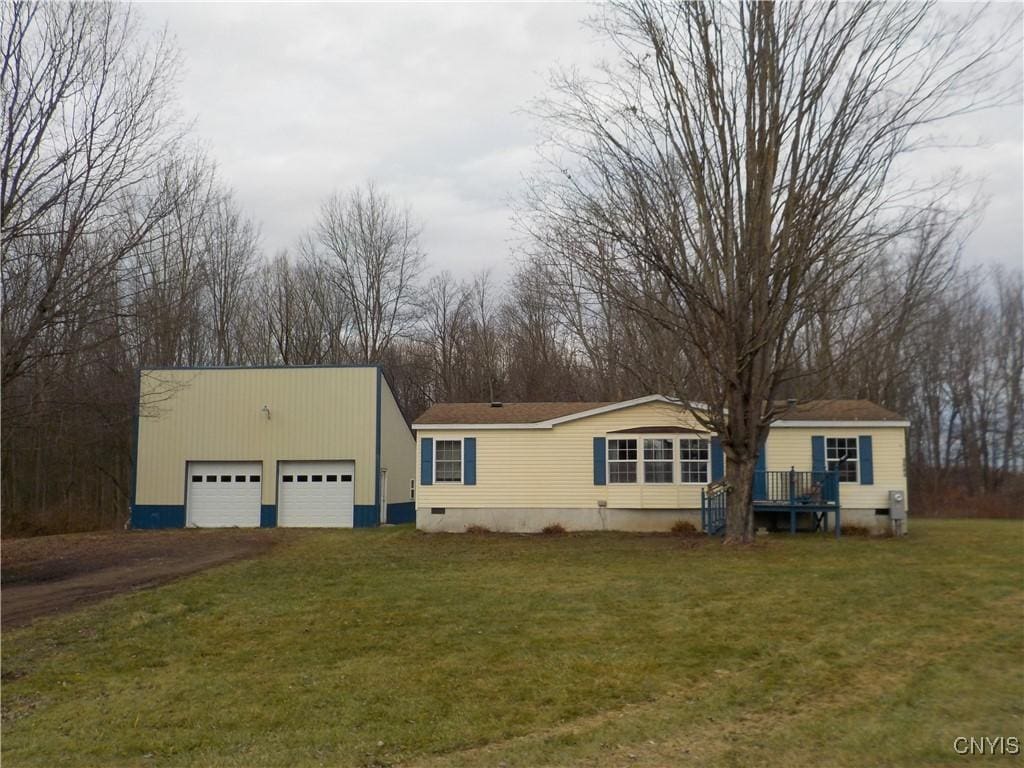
[741, 162]
[374, 246]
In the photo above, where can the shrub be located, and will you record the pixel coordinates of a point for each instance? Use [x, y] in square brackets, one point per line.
[477, 529]
[553, 529]
[684, 528]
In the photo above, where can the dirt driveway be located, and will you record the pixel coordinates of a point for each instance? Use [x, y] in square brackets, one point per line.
[54, 574]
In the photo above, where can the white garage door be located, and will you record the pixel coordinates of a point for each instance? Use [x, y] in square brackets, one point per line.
[315, 494]
[224, 494]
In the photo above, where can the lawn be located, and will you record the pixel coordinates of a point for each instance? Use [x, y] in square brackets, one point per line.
[384, 647]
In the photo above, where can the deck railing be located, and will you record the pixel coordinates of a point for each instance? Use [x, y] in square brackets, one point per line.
[712, 509]
[797, 487]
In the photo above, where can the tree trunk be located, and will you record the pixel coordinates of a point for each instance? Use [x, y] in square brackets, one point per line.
[739, 513]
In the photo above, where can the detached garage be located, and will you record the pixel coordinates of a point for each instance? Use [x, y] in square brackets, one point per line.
[312, 447]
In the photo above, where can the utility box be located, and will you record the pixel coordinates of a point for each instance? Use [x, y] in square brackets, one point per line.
[898, 512]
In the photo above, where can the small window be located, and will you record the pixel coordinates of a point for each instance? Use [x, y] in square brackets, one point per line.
[225, 478]
[448, 461]
[437, 510]
[287, 479]
[658, 460]
[346, 478]
[239, 478]
[301, 478]
[412, 489]
[211, 478]
[694, 456]
[332, 478]
[318, 478]
[197, 478]
[254, 478]
[841, 455]
[622, 461]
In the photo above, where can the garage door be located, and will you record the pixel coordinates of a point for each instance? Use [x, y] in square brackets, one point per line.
[224, 494]
[315, 494]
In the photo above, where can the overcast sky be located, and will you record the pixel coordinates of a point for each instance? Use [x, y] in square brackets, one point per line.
[296, 101]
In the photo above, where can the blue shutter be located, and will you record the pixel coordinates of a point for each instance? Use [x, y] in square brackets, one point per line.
[469, 460]
[426, 461]
[599, 461]
[867, 467]
[818, 453]
[717, 459]
[760, 478]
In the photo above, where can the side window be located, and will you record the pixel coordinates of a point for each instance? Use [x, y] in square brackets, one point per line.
[622, 461]
[447, 461]
[841, 454]
[657, 460]
[694, 458]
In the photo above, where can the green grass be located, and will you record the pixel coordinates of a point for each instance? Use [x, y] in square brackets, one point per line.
[386, 647]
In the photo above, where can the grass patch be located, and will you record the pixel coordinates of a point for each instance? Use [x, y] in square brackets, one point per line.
[385, 647]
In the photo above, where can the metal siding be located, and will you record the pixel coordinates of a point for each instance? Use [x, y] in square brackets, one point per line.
[398, 448]
[268, 516]
[215, 414]
[401, 513]
[147, 516]
[365, 516]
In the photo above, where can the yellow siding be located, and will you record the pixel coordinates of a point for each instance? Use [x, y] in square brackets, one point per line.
[555, 467]
[398, 453]
[791, 447]
[216, 415]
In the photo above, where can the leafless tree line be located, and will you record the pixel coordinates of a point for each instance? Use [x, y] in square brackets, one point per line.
[121, 249]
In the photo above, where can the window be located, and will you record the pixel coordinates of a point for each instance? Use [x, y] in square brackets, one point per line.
[225, 478]
[197, 478]
[318, 478]
[254, 478]
[301, 478]
[346, 478]
[448, 461]
[657, 460]
[841, 454]
[239, 478]
[332, 478]
[286, 479]
[211, 478]
[412, 489]
[694, 456]
[622, 461]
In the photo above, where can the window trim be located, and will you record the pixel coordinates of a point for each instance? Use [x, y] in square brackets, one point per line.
[608, 461]
[462, 461]
[707, 463]
[855, 460]
[673, 438]
[644, 461]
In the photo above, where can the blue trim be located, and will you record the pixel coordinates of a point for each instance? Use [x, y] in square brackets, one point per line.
[150, 516]
[818, 453]
[760, 484]
[469, 459]
[268, 515]
[717, 459]
[364, 516]
[376, 480]
[402, 512]
[867, 462]
[426, 461]
[599, 459]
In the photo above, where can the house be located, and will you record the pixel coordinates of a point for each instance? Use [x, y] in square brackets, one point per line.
[306, 446]
[644, 464]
